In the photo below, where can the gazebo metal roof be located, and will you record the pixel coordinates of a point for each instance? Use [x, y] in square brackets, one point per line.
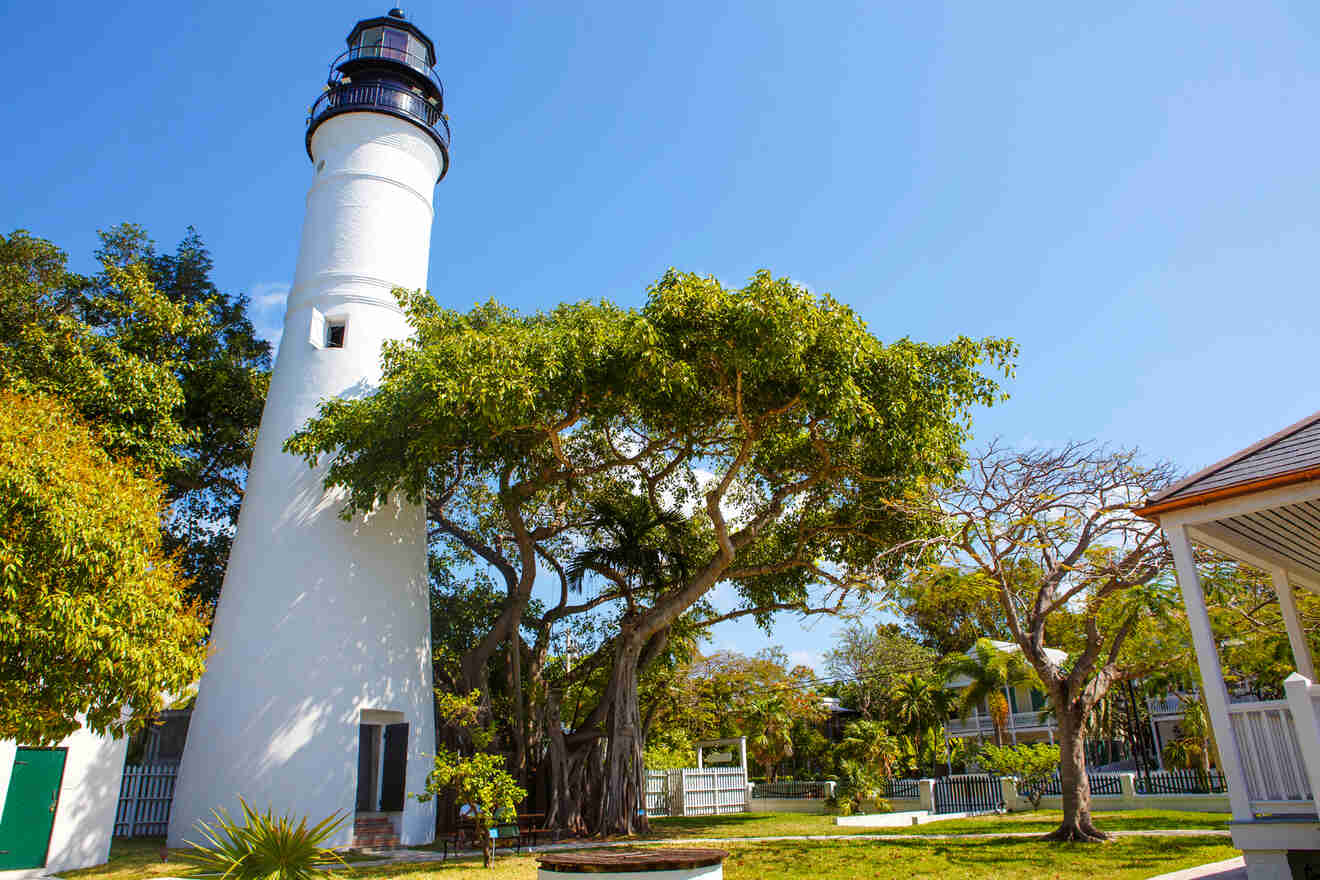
[1290, 456]
[1261, 505]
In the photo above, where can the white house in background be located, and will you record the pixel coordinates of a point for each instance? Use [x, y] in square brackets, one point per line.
[317, 693]
[1025, 706]
[57, 804]
[1260, 506]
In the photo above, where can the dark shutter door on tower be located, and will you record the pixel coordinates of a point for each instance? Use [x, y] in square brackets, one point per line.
[396, 765]
[366, 770]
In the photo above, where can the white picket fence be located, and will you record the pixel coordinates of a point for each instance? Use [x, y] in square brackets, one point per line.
[144, 800]
[696, 792]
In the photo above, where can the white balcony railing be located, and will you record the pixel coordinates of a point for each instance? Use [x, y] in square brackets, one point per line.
[1170, 705]
[1271, 755]
[1020, 721]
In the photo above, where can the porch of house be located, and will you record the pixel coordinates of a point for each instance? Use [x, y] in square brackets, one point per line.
[1261, 507]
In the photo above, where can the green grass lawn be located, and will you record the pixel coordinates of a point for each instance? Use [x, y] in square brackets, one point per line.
[782, 824]
[1003, 859]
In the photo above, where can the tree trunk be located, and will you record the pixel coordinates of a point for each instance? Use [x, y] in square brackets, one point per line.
[565, 809]
[1076, 787]
[518, 725]
[487, 847]
[624, 770]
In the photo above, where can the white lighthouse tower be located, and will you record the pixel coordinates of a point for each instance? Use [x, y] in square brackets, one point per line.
[317, 692]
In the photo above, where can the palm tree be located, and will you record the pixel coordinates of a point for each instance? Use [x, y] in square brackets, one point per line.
[871, 744]
[637, 544]
[770, 732]
[990, 672]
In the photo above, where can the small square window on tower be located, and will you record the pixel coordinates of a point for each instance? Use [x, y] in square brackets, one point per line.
[334, 334]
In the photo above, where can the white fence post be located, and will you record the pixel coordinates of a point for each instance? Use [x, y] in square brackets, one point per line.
[1306, 728]
[1127, 783]
[1008, 790]
[926, 793]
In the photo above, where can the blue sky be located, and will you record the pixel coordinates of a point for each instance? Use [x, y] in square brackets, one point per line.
[1130, 191]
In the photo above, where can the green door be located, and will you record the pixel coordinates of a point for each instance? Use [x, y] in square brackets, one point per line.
[34, 793]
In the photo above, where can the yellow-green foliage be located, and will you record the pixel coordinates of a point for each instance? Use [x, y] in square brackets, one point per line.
[91, 617]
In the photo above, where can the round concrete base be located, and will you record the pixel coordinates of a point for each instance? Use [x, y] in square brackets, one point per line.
[671, 863]
[711, 872]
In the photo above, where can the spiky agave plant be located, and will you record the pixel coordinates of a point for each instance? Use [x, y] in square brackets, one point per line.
[265, 847]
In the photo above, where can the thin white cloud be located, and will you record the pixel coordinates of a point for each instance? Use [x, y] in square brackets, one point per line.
[267, 310]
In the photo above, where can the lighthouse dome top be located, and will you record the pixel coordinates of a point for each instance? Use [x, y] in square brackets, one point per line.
[394, 37]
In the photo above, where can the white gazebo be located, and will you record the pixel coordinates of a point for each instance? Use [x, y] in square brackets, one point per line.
[1262, 507]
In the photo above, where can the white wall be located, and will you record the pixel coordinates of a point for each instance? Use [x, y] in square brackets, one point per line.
[89, 795]
[320, 618]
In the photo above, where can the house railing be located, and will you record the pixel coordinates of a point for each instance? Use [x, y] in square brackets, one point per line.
[1020, 721]
[145, 795]
[1271, 756]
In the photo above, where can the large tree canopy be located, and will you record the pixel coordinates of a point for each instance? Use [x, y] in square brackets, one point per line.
[165, 368]
[223, 373]
[112, 359]
[781, 428]
[92, 622]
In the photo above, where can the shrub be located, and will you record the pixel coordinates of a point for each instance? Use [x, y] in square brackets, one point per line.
[264, 847]
[857, 783]
[1033, 765]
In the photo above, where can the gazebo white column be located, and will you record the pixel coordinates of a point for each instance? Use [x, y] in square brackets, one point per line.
[1301, 648]
[1212, 675]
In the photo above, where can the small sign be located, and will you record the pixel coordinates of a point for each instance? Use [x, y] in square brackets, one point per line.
[719, 758]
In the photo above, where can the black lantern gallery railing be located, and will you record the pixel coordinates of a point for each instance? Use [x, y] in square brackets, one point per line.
[388, 53]
[380, 96]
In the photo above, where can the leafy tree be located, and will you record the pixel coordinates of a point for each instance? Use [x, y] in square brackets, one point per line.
[870, 661]
[1068, 515]
[224, 374]
[946, 609]
[111, 359]
[1033, 765]
[726, 694]
[164, 367]
[771, 417]
[990, 672]
[477, 781]
[92, 622]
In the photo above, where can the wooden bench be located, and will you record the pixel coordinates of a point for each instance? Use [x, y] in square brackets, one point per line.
[686, 862]
[524, 826]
